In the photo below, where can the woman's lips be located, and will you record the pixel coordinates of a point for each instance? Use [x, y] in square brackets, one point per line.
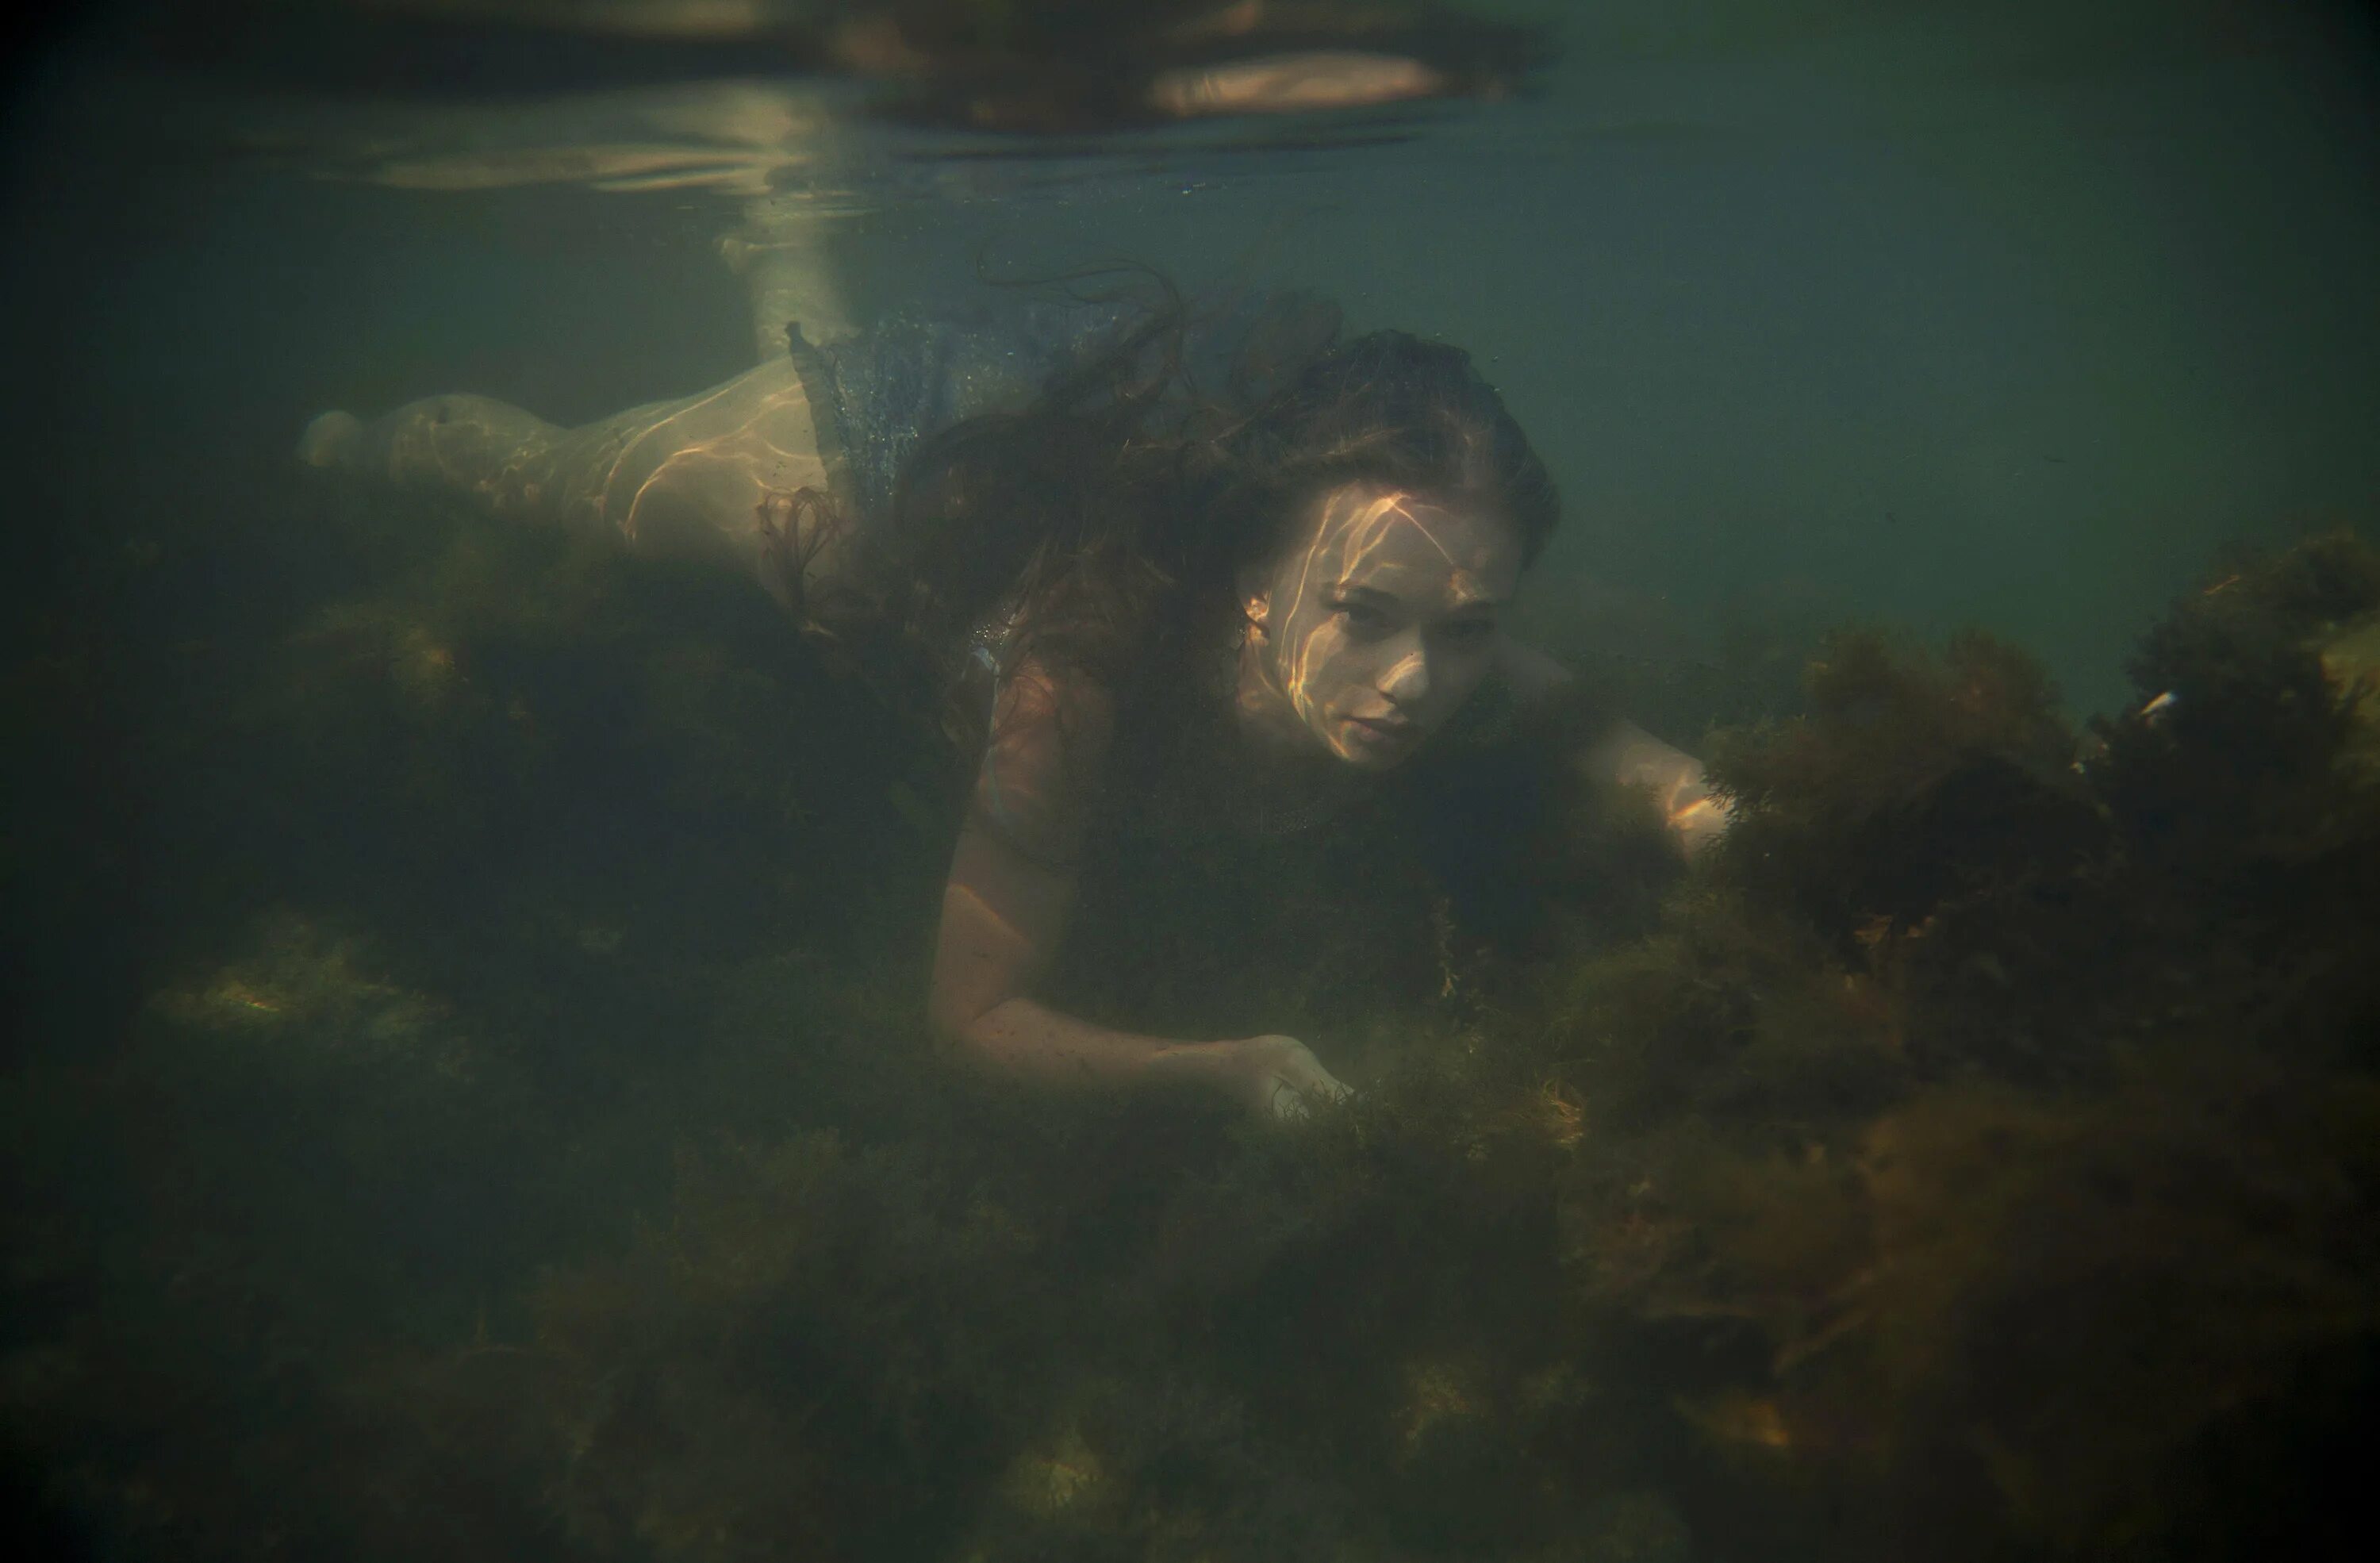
[1382, 730]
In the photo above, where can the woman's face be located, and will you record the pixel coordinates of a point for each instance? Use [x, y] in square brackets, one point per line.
[1380, 619]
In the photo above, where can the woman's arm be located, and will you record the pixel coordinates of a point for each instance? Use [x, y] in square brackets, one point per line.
[1633, 757]
[1625, 753]
[1005, 911]
[1011, 886]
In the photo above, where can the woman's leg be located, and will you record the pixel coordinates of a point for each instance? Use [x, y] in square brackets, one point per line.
[784, 254]
[735, 472]
[707, 475]
[489, 452]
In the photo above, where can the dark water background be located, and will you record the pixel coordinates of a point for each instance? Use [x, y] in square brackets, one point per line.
[482, 1118]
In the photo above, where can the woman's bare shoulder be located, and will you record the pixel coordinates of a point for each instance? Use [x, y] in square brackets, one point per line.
[1530, 675]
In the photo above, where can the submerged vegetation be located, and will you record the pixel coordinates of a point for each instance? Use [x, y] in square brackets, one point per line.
[474, 1107]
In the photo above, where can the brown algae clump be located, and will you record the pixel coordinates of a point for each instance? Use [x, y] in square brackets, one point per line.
[1989, 1141]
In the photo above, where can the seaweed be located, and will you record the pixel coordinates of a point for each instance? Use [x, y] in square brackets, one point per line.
[1908, 782]
[519, 1140]
[2082, 1226]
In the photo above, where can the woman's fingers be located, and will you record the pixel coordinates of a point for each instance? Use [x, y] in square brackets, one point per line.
[1292, 1081]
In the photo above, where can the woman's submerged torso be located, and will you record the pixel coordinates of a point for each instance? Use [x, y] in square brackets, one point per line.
[1219, 890]
[1219, 893]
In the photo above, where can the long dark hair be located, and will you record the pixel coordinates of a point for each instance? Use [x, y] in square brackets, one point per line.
[1103, 525]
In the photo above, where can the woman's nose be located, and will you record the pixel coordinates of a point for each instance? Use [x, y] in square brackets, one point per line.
[1407, 678]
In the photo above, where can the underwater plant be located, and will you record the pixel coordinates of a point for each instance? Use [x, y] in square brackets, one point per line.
[514, 1138]
[1988, 1156]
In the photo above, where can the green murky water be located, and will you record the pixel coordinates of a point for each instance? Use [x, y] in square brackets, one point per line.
[469, 1093]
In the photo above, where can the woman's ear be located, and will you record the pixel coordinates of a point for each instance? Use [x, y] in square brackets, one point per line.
[1253, 585]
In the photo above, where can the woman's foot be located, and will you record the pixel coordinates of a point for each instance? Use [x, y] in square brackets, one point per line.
[336, 439]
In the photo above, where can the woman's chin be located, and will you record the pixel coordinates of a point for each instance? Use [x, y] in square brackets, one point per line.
[1369, 747]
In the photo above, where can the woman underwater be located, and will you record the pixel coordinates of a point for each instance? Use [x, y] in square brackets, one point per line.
[1215, 641]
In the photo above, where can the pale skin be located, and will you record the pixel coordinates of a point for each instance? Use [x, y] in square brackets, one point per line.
[1375, 626]
[701, 476]
[1376, 623]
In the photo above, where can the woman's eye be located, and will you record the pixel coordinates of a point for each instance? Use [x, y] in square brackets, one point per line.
[1470, 632]
[1363, 618]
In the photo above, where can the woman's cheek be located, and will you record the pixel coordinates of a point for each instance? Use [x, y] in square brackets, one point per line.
[1459, 678]
[1322, 667]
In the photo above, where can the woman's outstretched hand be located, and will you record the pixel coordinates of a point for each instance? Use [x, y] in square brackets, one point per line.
[1279, 1078]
